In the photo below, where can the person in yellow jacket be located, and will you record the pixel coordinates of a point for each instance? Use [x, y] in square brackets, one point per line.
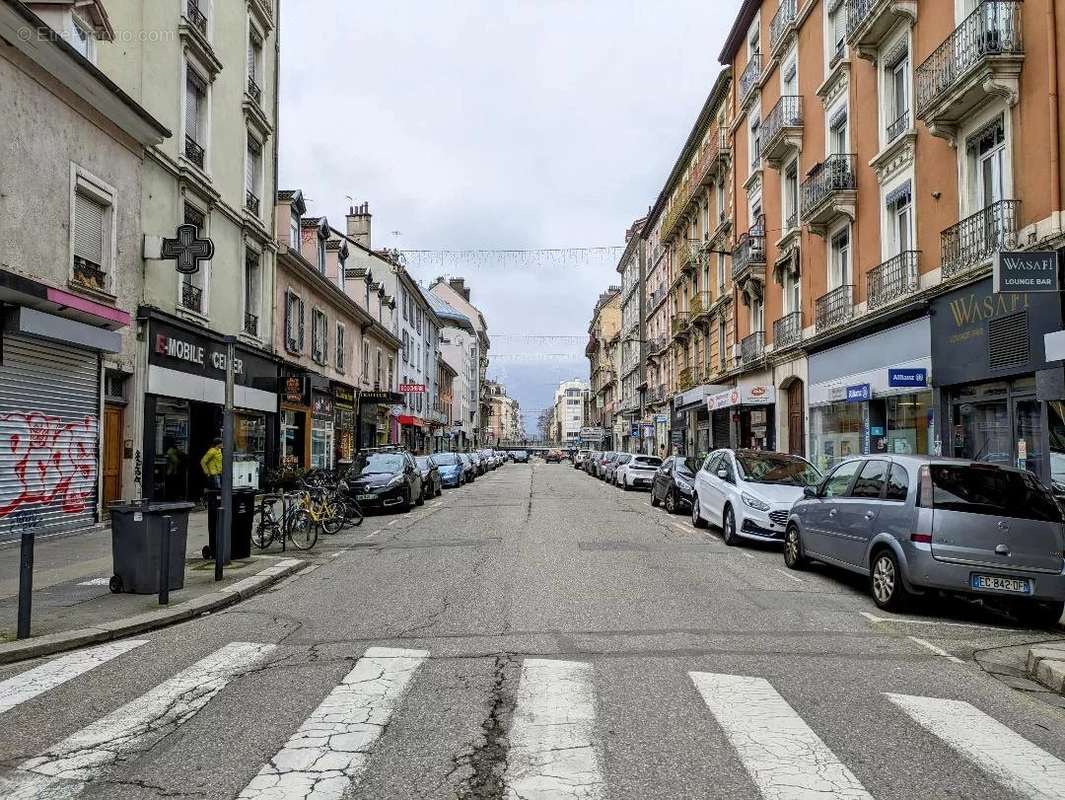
[211, 464]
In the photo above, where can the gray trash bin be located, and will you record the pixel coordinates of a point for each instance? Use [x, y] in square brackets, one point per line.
[136, 534]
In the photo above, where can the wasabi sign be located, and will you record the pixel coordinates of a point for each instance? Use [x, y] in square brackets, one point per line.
[1026, 271]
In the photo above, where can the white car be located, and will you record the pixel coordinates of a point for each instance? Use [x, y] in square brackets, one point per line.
[578, 460]
[638, 471]
[749, 493]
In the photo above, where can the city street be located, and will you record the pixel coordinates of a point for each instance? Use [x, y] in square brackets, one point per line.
[540, 634]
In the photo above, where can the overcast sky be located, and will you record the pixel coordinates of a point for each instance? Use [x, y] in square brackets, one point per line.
[477, 124]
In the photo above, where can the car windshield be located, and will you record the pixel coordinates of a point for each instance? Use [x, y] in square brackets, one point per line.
[985, 489]
[687, 466]
[520, 453]
[380, 463]
[446, 459]
[624, 459]
[648, 461]
[424, 462]
[776, 468]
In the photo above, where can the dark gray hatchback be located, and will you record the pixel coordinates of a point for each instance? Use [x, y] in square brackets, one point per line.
[913, 523]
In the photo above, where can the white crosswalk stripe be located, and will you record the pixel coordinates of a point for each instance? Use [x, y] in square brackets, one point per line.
[330, 749]
[1025, 769]
[27, 685]
[784, 757]
[64, 770]
[552, 752]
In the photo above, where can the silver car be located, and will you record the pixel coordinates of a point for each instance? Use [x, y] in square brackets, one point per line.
[919, 523]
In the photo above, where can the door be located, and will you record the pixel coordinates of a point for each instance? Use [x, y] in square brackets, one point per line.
[858, 513]
[112, 488]
[819, 517]
[721, 488]
[796, 420]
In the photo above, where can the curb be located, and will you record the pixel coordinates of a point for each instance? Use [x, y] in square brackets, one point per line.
[38, 646]
[1046, 664]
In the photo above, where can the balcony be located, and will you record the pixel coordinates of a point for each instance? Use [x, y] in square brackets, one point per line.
[782, 130]
[981, 59]
[685, 380]
[656, 345]
[896, 278]
[194, 152]
[783, 22]
[88, 275]
[699, 304]
[192, 297]
[657, 394]
[715, 152]
[834, 308]
[898, 127]
[787, 331]
[829, 192]
[752, 348]
[748, 257]
[255, 91]
[681, 322]
[196, 16]
[251, 202]
[656, 297]
[969, 244]
[750, 77]
[251, 324]
[870, 21]
[685, 257]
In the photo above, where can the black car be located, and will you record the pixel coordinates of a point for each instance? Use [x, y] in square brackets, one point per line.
[469, 469]
[674, 484]
[431, 482]
[386, 480]
[521, 457]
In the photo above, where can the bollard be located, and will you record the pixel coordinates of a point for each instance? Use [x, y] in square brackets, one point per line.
[25, 585]
[220, 522]
[164, 561]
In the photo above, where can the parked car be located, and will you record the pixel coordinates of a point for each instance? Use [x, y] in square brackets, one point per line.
[469, 469]
[589, 461]
[611, 467]
[674, 484]
[749, 493]
[478, 463]
[919, 523]
[521, 456]
[578, 459]
[636, 471]
[553, 457]
[386, 479]
[431, 479]
[604, 465]
[451, 469]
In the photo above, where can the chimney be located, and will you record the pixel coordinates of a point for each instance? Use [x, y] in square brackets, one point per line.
[459, 285]
[359, 224]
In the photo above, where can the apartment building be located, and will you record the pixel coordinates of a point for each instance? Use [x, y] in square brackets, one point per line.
[631, 344]
[568, 414]
[883, 153]
[504, 422]
[459, 345]
[457, 294]
[601, 351]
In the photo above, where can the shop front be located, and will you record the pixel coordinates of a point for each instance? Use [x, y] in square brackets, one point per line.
[999, 398]
[742, 417]
[413, 432]
[344, 406]
[183, 406]
[374, 421]
[692, 416]
[295, 418]
[872, 395]
[322, 426]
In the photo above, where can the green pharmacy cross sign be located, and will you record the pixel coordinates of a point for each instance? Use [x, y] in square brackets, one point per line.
[187, 249]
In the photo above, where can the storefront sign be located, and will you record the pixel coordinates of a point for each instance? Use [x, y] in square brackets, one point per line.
[634, 430]
[343, 396]
[183, 350]
[1028, 271]
[295, 390]
[729, 397]
[412, 388]
[907, 377]
[593, 434]
[648, 432]
[676, 437]
[756, 395]
[381, 397]
[661, 418]
[858, 394]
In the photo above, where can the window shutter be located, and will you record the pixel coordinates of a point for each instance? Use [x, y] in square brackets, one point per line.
[300, 301]
[195, 91]
[288, 318]
[88, 229]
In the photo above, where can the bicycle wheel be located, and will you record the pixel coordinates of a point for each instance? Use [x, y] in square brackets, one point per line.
[266, 528]
[332, 517]
[302, 531]
[354, 512]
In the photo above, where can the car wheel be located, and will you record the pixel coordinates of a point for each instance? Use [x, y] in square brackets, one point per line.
[654, 498]
[885, 581]
[793, 557]
[697, 518]
[1041, 613]
[439, 489]
[421, 497]
[407, 502]
[728, 526]
[671, 502]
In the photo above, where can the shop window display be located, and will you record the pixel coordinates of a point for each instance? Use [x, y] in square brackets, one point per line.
[907, 428]
[835, 432]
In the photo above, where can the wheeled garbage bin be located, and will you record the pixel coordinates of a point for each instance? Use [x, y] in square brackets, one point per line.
[136, 537]
[239, 545]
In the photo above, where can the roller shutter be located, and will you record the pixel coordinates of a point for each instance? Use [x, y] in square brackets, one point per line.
[49, 429]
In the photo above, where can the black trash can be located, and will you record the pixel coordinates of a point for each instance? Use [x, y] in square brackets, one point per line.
[136, 536]
[239, 544]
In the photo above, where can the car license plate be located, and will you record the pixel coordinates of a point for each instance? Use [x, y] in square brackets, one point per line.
[365, 497]
[1000, 583]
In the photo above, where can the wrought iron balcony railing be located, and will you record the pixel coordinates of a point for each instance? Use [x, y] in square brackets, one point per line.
[699, 304]
[750, 76]
[857, 13]
[196, 16]
[192, 297]
[657, 296]
[681, 321]
[897, 277]
[657, 344]
[834, 308]
[837, 54]
[835, 174]
[752, 348]
[782, 20]
[251, 202]
[787, 331]
[251, 324]
[749, 250]
[899, 126]
[89, 274]
[194, 151]
[786, 114]
[254, 90]
[993, 29]
[972, 241]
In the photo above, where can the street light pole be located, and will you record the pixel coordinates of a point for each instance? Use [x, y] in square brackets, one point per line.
[223, 539]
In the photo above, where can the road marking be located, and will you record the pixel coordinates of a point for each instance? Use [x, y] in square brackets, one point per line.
[65, 769]
[787, 575]
[937, 650]
[96, 582]
[783, 756]
[682, 528]
[371, 535]
[873, 618]
[551, 750]
[330, 750]
[1025, 769]
[748, 555]
[27, 685]
[393, 522]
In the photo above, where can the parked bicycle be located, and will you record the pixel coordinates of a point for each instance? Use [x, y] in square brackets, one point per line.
[294, 522]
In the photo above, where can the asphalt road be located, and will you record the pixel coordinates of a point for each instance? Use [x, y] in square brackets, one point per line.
[540, 634]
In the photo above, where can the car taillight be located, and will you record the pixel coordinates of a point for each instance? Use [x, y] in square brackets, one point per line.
[921, 538]
[924, 494]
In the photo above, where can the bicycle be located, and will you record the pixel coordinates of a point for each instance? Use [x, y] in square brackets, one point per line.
[330, 503]
[294, 523]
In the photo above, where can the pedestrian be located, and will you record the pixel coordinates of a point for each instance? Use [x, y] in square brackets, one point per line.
[211, 464]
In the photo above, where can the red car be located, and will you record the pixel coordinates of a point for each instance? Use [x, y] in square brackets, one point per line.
[553, 457]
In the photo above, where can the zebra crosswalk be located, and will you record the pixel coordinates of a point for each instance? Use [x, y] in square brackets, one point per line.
[555, 742]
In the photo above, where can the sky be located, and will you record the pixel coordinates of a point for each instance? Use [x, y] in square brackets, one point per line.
[488, 125]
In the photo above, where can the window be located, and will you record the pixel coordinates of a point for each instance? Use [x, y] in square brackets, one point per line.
[366, 361]
[900, 216]
[293, 322]
[91, 234]
[792, 292]
[294, 230]
[756, 144]
[406, 346]
[403, 295]
[897, 92]
[255, 60]
[987, 154]
[757, 315]
[789, 81]
[871, 480]
[839, 481]
[898, 485]
[837, 131]
[791, 196]
[81, 38]
[319, 335]
[391, 368]
[721, 272]
[721, 344]
[195, 116]
[321, 253]
[340, 360]
[254, 178]
[192, 286]
[841, 254]
[837, 31]
[252, 291]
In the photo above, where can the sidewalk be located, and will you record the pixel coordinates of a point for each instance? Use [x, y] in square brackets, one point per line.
[1046, 664]
[72, 604]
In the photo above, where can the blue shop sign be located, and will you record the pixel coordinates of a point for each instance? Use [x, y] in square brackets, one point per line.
[634, 430]
[917, 377]
[859, 393]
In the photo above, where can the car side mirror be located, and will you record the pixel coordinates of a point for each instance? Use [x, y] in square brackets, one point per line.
[809, 492]
[723, 474]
